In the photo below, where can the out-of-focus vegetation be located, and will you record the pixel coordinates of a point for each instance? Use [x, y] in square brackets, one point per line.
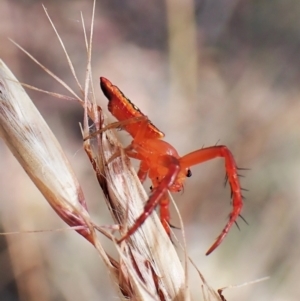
[205, 72]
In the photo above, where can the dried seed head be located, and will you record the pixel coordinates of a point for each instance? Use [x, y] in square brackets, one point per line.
[33, 144]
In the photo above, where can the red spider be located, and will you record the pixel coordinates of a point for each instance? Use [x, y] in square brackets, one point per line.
[161, 162]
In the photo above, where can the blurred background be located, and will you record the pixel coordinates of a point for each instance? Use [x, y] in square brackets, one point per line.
[206, 73]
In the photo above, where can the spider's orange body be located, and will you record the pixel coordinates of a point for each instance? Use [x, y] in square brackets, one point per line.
[161, 162]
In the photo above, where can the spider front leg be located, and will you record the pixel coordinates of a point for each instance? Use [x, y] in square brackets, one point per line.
[209, 153]
[121, 125]
[158, 194]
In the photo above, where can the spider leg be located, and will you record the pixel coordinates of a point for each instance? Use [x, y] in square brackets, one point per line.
[144, 168]
[143, 171]
[121, 125]
[129, 152]
[158, 193]
[208, 153]
[165, 213]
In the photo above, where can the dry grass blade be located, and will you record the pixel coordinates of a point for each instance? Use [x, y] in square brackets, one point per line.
[220, 290]
[48, 71]
[146, 273]
[63, 46]
[209, 294]
[33, 144]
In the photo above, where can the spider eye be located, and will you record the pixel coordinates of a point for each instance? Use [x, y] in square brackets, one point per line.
[189, 173]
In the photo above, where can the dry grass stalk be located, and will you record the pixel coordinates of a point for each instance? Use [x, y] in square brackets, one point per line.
[33, 144]
[144, 267]
[148, 267]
